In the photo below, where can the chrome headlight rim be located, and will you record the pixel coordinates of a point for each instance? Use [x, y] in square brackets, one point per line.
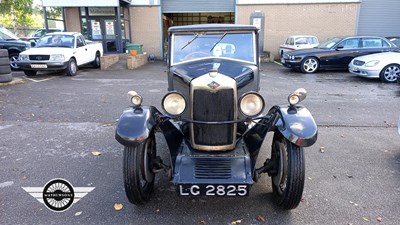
[135, 98]
[23, 57]
[259, 109]
[178, 110]
[57, 57]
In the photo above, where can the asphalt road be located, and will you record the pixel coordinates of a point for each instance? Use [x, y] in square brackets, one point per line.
[51, 125]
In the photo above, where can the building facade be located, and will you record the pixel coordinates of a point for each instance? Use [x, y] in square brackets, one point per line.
[146, 21]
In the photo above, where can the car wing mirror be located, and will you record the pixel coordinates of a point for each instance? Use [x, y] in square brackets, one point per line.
[339, 47]
[33, 43]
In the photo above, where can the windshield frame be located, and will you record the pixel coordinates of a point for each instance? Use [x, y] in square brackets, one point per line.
[214, 35]
[335, 41]
[67, 41]
[7, 35]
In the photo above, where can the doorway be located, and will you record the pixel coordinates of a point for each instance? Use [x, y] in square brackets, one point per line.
[103, 30]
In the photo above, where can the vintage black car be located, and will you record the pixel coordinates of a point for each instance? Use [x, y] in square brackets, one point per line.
[213, 122]
[336, 53]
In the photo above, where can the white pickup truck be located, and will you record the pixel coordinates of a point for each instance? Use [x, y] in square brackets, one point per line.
[60, 51]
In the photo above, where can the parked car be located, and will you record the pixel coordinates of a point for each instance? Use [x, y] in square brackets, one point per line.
[213, 122]
[394, 40]
[385, 66]
[14, 46]
[336, 53]
[296, 42]
[42, 31]
[60, 51]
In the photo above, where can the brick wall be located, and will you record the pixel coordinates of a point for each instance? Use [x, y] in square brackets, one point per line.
[321, 20]
[145, 26]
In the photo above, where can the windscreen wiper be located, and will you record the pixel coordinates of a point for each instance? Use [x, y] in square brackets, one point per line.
[220, 39]
[194, 38]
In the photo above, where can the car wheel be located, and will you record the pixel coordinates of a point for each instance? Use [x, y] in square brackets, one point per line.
[96, 62]
[30, 73]
[309, 65]
[138, 174]
[72, 68]
[13, 57]
[6, 78]
[5, 69]
[282, 53]
[288, 182]
[390, 73]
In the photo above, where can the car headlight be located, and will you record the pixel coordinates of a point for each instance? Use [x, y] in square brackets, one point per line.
[135, 98]
[174, 103]
[57, 57]
[23, 57]
[372, 63]
[251, 104]
[297, 96]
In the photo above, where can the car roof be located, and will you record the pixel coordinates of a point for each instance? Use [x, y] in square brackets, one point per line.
[63, 33]
[296, 36]
[212, 27]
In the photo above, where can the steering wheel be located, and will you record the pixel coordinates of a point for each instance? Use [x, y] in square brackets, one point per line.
[190, 55]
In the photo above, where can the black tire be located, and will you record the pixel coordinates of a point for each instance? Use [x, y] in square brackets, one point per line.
[72, 67]
[138, 175]
[5, 78]
[309, 65]
[30, 73]
[5, 61]
[96, 62]
[5, 69]
[13, 57]
[288, 182]
[390, 73]
[3, 53]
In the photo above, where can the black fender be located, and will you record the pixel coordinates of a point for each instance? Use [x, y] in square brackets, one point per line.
[295, 123]
[135, 124]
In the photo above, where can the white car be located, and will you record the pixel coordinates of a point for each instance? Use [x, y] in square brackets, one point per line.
[298, 42]
[60, 51]
[385, 66]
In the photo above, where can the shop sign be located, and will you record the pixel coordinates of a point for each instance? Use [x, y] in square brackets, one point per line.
[101, 11]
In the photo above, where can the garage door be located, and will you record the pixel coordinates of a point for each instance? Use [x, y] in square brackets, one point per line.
[185, 6]
[381, 18]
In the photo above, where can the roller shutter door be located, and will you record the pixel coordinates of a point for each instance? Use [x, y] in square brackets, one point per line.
[188, 6]
[380, 18]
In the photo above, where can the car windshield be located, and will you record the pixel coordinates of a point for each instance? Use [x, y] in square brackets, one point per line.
[7, 35]
[194, 46]
[330, 43]
[306, 40]
[56, 40]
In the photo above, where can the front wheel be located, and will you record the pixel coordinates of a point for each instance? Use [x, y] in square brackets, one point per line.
[288, 181]
[13, 58]
[96, 62]
[138, 171]
[390, 73]
[309, 65]
[72, 67]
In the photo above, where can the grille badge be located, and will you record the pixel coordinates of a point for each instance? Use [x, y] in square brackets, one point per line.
[213, 85]
[38, 57]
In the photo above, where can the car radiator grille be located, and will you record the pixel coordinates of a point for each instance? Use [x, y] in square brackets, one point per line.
[212, 106]
[358, 62]
[39, 57]
[212, 168]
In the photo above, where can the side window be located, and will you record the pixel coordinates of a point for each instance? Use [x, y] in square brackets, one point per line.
[79, 42]
[374, 43]
[350, 43]
[287, 41]
[291, 41]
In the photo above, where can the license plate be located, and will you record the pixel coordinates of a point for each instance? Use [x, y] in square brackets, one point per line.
[36, 66]
[213, 189]
[283, 61]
